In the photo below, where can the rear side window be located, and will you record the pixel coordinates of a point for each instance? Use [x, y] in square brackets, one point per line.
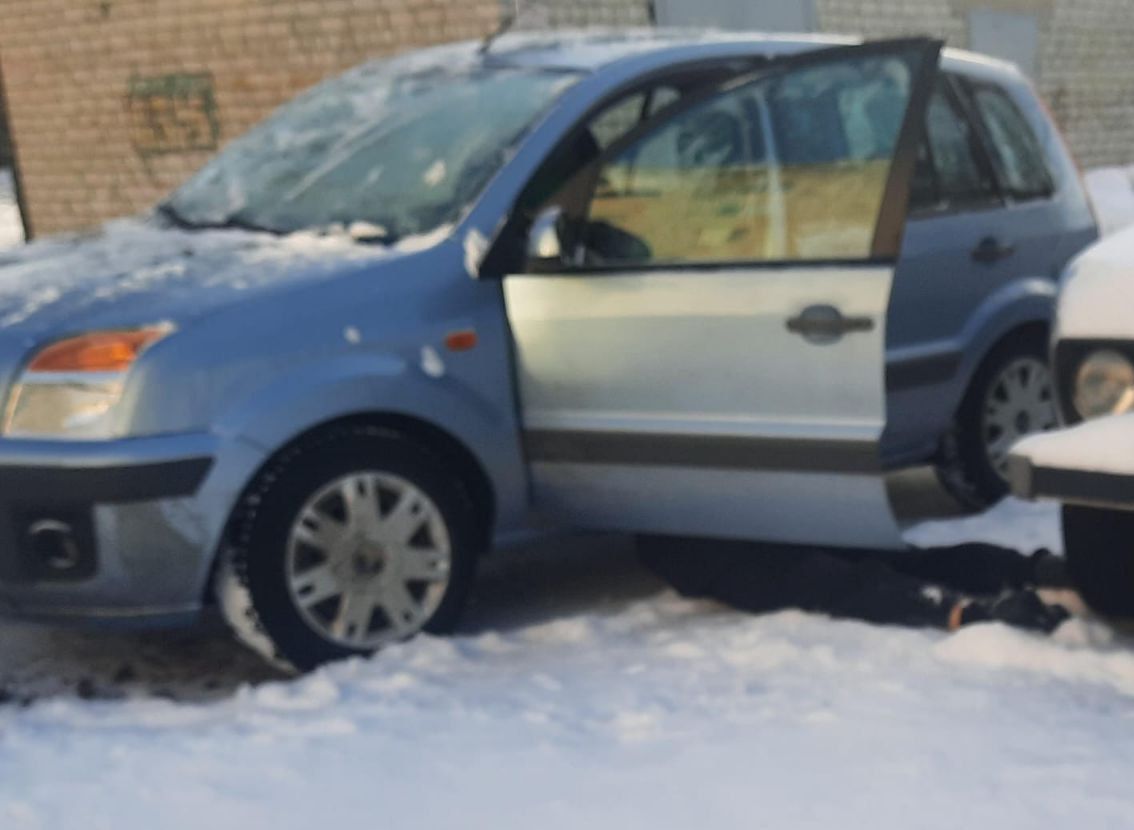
[1015, 149]
[951, 174]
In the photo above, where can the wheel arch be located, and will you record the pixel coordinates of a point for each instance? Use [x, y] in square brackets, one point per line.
[961, 468]
[1024, 306]
[1038, 328]
[465, 464]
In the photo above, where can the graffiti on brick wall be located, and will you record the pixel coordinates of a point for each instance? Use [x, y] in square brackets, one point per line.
[173, 114]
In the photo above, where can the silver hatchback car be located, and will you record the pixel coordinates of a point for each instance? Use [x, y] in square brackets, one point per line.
[635, 282]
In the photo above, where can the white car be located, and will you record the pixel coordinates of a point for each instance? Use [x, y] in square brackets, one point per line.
[1089, 465]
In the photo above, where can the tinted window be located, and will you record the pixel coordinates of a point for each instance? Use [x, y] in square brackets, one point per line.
[949, 174]
[1015, 148]
[788, 167]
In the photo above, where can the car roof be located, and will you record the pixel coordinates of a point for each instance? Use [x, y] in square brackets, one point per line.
[591, 50]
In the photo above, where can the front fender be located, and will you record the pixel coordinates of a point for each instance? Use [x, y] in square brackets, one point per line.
[316, 394]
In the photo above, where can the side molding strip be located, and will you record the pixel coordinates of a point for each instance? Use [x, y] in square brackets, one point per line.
[718, 452]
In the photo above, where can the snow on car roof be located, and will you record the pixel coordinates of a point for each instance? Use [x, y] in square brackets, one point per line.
[591, 49]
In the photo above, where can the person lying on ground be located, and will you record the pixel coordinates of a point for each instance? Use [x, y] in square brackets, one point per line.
[935, 587]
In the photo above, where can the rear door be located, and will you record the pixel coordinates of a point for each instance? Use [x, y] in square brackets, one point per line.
[942, 278]
[711, 360]
[982, 218]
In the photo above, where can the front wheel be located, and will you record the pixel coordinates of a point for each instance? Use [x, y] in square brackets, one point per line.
[1011, 396]
[1100, 558]
[346, 543]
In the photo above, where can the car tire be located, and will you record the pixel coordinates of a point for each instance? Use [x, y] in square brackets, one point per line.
[1100, 558]
[1001, 391]
[303, 564]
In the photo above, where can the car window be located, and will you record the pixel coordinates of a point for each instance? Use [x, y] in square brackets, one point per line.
[949, 173]
[618, 119]
[611, 123]
[788, 167]
[1016, 150]
[663, 96]
[624, 115]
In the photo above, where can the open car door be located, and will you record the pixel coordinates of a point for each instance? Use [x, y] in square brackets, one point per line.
[700, 329]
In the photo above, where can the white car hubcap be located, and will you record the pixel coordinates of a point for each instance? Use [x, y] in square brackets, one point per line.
[1020, 402]
[368, 560]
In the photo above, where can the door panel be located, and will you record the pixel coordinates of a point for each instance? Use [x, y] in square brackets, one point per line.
[633, 352]
[680, 399]
[775, 506]
[715, 364]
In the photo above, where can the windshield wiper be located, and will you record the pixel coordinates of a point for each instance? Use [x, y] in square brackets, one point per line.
[168, 212]
[364, 233]
[171, 214]
[235, 223]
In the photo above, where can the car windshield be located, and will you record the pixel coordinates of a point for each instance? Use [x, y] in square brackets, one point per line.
[399, 148]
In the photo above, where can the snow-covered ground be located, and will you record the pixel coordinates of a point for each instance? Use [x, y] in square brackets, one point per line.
[11, 231]
[582, 694]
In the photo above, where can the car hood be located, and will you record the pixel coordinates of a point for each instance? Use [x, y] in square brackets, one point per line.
[134, 272]
[1097, 295]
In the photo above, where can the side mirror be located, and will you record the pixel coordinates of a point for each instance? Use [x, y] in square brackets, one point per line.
[545, 241]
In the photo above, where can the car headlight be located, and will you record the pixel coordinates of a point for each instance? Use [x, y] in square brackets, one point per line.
[1104, 384]
[71, 387]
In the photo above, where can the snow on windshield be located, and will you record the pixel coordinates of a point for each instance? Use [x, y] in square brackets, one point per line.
[403, 146]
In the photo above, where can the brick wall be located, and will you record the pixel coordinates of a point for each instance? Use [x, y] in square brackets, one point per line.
[892, 18]
[5, 142]
[5, 137]
[1085, 63]
[560, 14]
[114, 102]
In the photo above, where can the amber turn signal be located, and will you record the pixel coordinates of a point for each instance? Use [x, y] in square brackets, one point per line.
[100, 351]
[461, 341]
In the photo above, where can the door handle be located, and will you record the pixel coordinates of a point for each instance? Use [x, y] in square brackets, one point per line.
[990, 250]
[824, 324]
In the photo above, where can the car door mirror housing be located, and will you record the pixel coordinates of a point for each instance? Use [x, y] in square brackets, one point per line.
[546, 250]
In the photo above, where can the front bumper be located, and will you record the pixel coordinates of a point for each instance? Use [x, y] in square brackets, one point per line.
[1090, 464]
[115, 530]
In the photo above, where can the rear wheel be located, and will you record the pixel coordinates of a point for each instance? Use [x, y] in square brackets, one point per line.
[354, 540]
[1100, 558]
[1011, 396]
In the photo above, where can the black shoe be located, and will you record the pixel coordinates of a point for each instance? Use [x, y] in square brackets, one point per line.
[1049, 570]
[1022, 609]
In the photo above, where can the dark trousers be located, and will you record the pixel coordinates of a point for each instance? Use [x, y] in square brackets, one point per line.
[916, 587]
